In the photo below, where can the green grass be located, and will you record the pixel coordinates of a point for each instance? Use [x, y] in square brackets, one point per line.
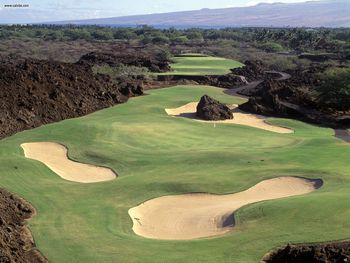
[192, 55]
[155, 155]
[199, 64]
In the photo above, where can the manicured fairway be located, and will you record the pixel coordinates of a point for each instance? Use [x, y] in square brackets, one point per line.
[155, 155]
[197, 64]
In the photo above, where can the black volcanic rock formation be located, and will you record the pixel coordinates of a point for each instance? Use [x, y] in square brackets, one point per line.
[252, 70]
[36, 92]
[292, 99]
[16, 242]
[212, 110]
[318, 253]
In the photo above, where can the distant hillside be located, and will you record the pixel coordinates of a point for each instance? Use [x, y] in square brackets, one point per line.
[326, 13]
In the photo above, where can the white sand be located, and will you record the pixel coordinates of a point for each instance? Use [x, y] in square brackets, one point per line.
[54, 156]
[240, 117]
[192, 216]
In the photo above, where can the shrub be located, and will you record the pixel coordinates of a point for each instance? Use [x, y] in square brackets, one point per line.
[271, 47]
[75, 34]
[120, 71]
[335, 88]
[102, 34]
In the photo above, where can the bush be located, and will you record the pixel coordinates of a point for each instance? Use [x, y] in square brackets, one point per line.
[179, 40]
[160, 40]
[164, 55]
[124, 33]
[102, 34]
[75, 34]
[271, 47]
[120, 71]
[54, 35]
[335, 88]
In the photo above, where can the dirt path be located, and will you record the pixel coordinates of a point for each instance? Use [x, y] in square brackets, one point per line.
[236, 92]
[191, 216]
[55, 156]
[253, 84]
[283, 75]
[239, 117]
[342, 134]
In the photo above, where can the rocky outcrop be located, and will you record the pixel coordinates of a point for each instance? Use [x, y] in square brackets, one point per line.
[212, 110]
[318, 253]
[252, 70]
[292, 99]
[16, 241]
[35, 92]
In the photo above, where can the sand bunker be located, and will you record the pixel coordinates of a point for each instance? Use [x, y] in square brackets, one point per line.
[240, 117]
[54, 156]
[191, 216]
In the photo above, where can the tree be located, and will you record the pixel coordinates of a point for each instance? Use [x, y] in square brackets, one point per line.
[194, 35]
[160, 40]
[54, 35]
[76, 33]
[101, 34]
[335, 88]
[271, 47]
[124, 33]
[164, 55]
[179, 40]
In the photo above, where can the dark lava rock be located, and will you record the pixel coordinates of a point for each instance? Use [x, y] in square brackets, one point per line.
[319, 253]
[213, 110]
[252, 70]
[292, 99]
[36, 92]
[16, 242]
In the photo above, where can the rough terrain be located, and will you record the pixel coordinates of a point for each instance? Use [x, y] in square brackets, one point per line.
[291, 98]
[35, 92]
[16, 242]
[337, 252]
[153, 62]
[212, 110]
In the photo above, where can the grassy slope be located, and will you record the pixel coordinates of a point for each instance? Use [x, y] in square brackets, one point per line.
[196, 64]
[157, 155]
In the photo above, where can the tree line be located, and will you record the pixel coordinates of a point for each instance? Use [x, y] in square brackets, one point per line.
[270, 39]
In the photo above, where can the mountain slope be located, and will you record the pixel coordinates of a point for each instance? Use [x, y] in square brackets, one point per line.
[326, 13]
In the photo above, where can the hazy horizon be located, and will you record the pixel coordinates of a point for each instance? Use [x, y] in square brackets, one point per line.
[33, 11]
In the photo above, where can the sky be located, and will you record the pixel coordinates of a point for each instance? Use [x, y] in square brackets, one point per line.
[59, 10]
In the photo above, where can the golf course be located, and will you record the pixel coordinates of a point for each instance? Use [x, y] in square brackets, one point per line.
[288, 180]
[200, 64]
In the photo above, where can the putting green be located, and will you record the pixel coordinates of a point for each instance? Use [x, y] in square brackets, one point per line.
[198, 64]
[157, 155]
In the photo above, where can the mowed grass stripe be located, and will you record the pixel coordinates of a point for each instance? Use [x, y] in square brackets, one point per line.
[201, 65]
